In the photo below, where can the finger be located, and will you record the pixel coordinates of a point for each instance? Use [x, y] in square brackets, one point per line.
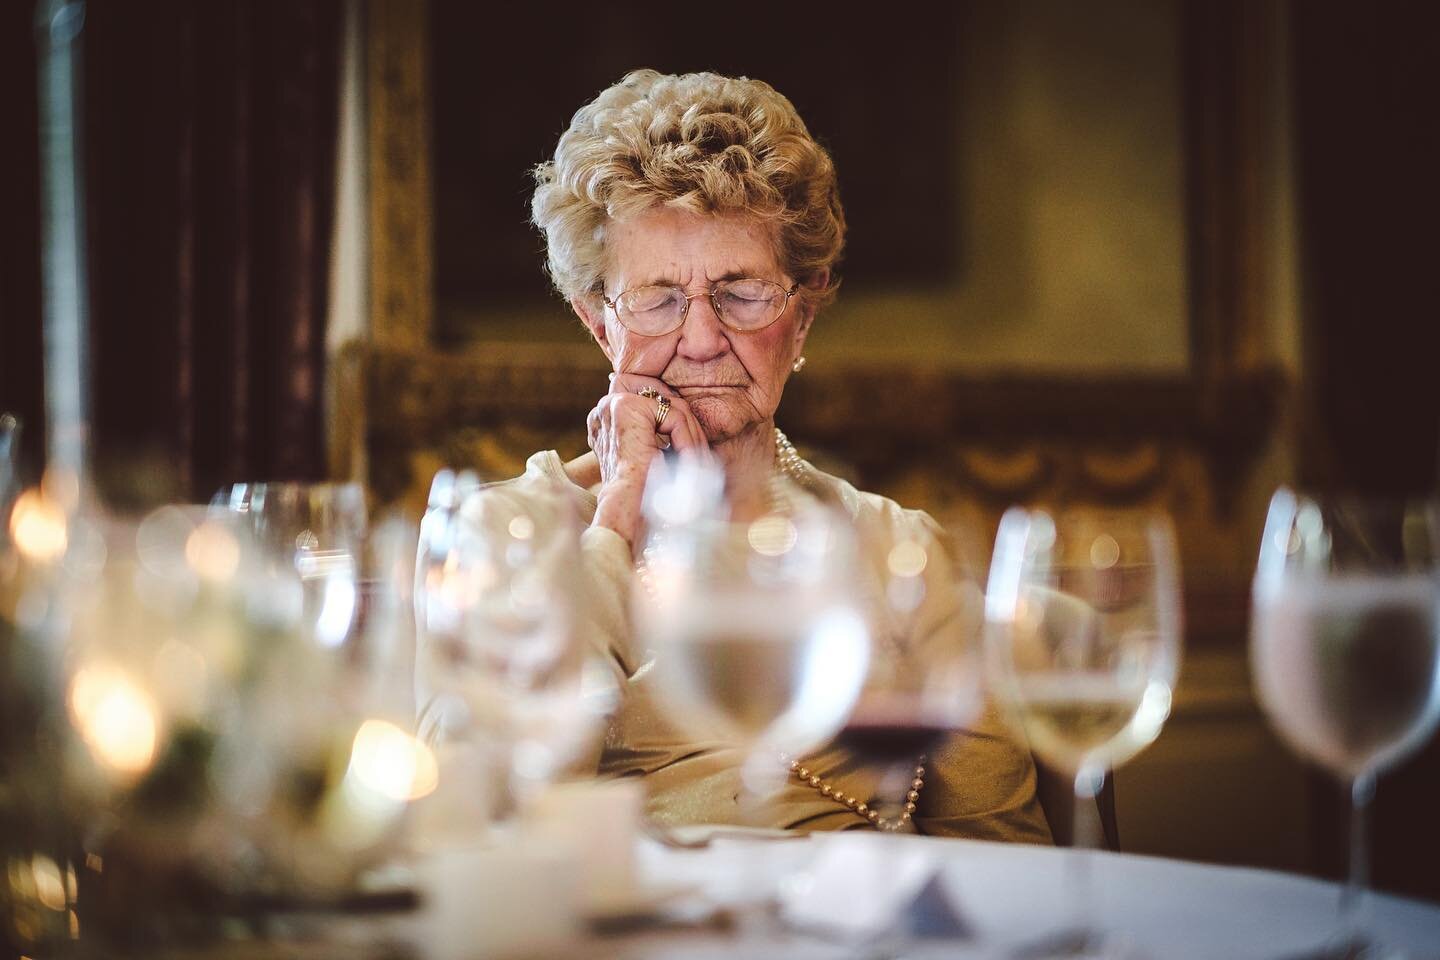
[671, 430]
[689, 437]
[623, 425]
[634, 383]
[592, 427]
[682, 428]
[622, 418]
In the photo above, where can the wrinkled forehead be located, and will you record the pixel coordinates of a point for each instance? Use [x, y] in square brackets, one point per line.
[677, 247]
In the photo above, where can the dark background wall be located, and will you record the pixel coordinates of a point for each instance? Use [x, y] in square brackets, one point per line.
[1367, 152]
[482, 178]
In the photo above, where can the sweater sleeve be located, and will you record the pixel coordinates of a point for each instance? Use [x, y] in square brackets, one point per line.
[608, 573]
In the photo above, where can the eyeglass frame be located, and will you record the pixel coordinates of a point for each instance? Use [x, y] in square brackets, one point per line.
[714, 305]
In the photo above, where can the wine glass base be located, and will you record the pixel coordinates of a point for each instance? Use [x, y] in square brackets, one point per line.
[1077, 943]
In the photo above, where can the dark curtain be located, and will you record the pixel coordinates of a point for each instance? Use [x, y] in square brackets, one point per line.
[1368, 151]
[21, 388]
[209, 144]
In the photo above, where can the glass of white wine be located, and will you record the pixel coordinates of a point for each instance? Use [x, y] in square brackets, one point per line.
[1083, 629]
[1345, 650]
[756, 639]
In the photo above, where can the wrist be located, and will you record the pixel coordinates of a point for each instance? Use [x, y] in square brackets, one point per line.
[620, 512]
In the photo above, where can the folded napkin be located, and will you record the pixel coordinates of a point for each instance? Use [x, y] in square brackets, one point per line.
[865, 886]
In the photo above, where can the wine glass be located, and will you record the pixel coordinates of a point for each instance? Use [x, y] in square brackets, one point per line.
[1344, 650]
[320, 528]
[212, 747]
[344, 688]
[1082, 617]
[925, 678]
[502, 663]
[756, 639]
[440, 598]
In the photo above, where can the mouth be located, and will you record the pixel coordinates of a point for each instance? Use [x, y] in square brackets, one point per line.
[686, 389]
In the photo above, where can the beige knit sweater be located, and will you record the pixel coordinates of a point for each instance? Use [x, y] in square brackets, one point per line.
[980, 784]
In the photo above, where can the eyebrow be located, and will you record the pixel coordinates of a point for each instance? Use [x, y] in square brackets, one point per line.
[738, 273]
[745, 273]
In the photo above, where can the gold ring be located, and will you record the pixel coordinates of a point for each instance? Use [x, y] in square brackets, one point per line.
[662, 410]
[649, 393]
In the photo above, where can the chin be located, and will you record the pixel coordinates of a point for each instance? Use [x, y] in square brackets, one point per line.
[719, 419]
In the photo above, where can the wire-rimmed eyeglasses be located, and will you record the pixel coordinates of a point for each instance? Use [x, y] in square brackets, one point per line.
[747, 304]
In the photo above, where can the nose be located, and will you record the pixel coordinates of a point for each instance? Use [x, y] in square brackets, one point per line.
[702, 335]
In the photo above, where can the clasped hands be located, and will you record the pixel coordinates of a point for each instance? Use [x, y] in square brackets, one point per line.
[626, 429]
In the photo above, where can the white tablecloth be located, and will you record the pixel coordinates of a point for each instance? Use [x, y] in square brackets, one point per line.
[1010, 894]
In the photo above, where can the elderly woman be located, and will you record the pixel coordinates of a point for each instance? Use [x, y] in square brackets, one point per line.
[693, 224]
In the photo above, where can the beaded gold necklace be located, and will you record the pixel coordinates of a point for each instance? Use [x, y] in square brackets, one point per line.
[790, 465]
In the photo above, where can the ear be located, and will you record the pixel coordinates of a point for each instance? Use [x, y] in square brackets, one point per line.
[592, 314]
[807, 312]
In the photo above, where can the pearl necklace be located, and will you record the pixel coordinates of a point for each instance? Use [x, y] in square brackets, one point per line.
[790, 464]
[860, 807]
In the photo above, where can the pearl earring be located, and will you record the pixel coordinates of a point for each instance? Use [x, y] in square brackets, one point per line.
[798, 365]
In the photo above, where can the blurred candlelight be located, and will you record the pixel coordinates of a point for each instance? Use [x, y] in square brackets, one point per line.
[37, 527]
[118, 721]
[907, 559]
[49, 883]
[772, 535]
[213, 552]
[387, 769]
[392, 763]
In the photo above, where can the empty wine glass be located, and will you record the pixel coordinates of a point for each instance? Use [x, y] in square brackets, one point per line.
[1082, 649]
[501, 660]
[211, 746]
[1344, 650]
[320, 529]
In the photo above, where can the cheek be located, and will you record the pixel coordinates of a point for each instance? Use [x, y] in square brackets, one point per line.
[770, 360]
[648, 356]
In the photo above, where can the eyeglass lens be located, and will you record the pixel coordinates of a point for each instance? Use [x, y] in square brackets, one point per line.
[745, 304]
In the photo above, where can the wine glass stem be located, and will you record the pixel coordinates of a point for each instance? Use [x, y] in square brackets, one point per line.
[1083, 840]
[1352, 920]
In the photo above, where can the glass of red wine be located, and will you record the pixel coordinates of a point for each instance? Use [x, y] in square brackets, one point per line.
[925, 680]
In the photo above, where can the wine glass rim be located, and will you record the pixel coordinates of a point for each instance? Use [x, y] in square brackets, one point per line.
[1066, 513]
[274, 485]
[240, 495]
[1361, 501]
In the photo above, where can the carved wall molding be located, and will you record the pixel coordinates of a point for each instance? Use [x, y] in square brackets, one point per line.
[961, 447]
[1003, 439]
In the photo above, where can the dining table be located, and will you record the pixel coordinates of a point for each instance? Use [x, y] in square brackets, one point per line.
[731, 894]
